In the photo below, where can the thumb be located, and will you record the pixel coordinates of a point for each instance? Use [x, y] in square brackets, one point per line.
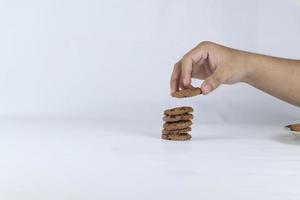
[212, 82]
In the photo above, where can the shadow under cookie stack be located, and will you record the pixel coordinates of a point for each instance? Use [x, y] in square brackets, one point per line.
[177, 123]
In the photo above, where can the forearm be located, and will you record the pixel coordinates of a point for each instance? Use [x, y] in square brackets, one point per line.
[276, 76]
[217, 64]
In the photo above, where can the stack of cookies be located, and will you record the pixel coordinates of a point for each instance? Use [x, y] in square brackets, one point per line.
[177, 123]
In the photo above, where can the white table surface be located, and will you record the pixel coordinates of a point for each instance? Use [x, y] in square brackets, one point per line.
[96, 160]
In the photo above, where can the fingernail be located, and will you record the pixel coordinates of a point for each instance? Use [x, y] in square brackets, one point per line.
[206, 88]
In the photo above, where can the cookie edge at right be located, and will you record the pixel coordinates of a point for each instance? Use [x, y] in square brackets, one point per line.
[295, 127]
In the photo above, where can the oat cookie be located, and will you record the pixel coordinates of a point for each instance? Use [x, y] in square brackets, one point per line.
[177, 125]
[190, 92]
[176, 137]
[178, 110]
[176, 118]
[295, 127]
[185, 130]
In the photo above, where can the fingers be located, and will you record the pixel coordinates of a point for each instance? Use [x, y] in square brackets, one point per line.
[182, 86]
[186, 70]
[212, 82]
[175, 78]
[182, 72]
[187, 63]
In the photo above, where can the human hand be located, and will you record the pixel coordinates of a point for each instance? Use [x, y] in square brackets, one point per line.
[211, 62]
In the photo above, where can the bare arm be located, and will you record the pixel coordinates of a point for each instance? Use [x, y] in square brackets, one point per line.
[277, 76]
[217, 64]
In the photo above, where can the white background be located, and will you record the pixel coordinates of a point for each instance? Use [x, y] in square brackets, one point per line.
[88, 59]
[83, 85]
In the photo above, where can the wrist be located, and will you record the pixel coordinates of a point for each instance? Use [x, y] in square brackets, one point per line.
[246, 62]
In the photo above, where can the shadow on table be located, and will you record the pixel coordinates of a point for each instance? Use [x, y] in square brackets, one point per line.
[287, 139]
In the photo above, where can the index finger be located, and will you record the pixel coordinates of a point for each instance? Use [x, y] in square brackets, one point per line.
[174, 83]
[186, 70]
[187, 62]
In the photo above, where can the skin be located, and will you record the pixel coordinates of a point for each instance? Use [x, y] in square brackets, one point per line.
[217, 64]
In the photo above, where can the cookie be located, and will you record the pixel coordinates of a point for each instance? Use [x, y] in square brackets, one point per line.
[185, 130]
[178, 110]
[295, 127]
[176, 118]
[176, 137]
[164, 136]
[177, 125]
[190, 92]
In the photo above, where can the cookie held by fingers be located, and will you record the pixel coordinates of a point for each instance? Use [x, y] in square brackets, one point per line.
[189, 92]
